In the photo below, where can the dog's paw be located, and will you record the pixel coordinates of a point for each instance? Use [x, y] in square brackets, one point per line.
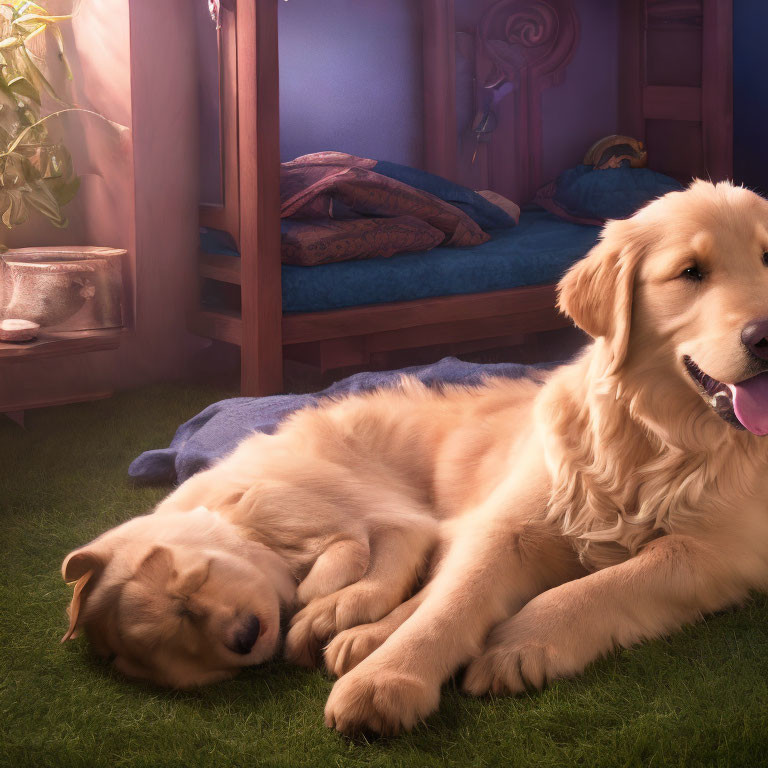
[319, 621]
[535, 646]
[351, 646]
[375, 699]
[309, 630]
[509, 669]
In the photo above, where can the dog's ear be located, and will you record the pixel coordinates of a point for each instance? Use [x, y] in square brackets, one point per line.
[161, 568]
[157, 566]
[596, 292]
[81, 566]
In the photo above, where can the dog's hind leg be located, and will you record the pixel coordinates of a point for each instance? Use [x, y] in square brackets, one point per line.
[397, 559]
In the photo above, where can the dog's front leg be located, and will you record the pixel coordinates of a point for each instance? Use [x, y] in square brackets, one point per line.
[672, 581]
[493, 565]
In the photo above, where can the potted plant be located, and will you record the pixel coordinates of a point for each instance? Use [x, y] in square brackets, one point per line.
[37, 175]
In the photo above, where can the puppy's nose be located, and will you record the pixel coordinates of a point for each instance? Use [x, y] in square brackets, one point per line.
[755, 338]
[246, 638]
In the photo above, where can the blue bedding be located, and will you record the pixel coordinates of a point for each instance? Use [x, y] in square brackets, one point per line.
[537, 251]
[215, 432]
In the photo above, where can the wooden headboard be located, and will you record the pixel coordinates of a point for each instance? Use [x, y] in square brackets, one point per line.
[675, 86]
[518, 49]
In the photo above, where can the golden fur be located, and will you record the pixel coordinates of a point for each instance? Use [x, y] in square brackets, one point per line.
[607, 506]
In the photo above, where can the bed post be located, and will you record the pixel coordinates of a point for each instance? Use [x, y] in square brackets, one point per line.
[631, 68]
[439, 52]
[717, 88]
[259, 163]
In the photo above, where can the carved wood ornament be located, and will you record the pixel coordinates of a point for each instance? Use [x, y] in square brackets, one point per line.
[528, 45]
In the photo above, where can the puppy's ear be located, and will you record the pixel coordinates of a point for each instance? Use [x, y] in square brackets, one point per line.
[161, 568]
[81, 566]
[157, 566]
[190, 579]
[596, 292]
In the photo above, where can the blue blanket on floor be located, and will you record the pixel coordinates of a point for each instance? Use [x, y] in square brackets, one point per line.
[214, 432]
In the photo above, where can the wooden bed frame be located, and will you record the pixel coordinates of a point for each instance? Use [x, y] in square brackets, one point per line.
[526, 42]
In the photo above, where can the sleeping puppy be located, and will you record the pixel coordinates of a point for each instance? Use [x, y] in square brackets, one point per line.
[193, 592]
[642, 463]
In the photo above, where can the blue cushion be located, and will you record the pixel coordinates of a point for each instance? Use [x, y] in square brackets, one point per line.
[609, 193]
[537, 251]
[484, 212]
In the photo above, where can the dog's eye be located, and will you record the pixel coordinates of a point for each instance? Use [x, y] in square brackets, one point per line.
[692, 273]
[765, 259]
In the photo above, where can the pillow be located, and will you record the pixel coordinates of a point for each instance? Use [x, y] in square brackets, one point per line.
[487, 214]
[320, 241]
[588, 195]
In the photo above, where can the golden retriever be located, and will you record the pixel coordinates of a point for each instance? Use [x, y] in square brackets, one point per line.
[621, 499]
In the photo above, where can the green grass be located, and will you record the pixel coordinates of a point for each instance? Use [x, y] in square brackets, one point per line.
[700, 698]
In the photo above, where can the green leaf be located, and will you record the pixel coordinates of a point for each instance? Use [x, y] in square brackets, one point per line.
[42, 18]
[65, 191]
[41, 198]
[16, 212]
[11, 42]
[23, 87]
[56, 32]
[37, 76]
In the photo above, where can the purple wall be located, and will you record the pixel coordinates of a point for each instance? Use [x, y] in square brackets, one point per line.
[585, 107]
[350, 78]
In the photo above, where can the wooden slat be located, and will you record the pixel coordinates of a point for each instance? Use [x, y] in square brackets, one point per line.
[531, 302]
[259, 163]
[465, 330]
[219, 266]
[717, 87]
[220, 326]
[52, 344]
[408, 324]
[439, 64]
[668, 102]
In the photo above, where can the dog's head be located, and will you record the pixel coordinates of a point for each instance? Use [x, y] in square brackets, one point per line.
[179, 599]
[683, 285]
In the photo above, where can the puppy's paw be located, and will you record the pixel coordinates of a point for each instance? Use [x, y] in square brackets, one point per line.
[309, 630]
[351, 646]
[373, 698]
[322, 618]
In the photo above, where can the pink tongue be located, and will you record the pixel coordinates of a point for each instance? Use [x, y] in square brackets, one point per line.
[750, 403]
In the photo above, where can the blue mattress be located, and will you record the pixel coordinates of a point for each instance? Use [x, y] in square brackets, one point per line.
[537, 251]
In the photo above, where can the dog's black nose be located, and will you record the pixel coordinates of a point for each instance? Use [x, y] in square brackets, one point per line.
[755, 338]
[246, 638]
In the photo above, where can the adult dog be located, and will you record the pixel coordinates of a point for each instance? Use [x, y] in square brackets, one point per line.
[620, 500]
[637, 462]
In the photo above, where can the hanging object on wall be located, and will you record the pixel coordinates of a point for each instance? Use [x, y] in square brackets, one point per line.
[485, 121]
